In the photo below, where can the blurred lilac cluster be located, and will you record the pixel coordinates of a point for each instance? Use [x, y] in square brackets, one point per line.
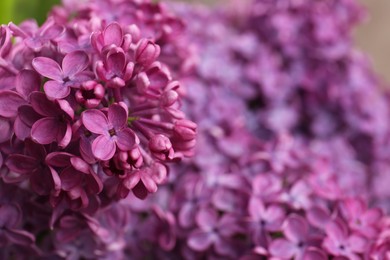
[291, 160]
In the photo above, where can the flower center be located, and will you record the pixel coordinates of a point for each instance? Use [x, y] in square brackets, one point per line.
[88, 94]
[112, 132]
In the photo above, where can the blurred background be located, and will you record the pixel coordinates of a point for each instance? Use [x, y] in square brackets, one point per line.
[373, 36]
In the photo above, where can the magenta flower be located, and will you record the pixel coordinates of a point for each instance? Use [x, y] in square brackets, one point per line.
[146, 52]
[77, 179]
[111, 36]
[213, 231]
[90, 94]
[36, 38]
[143, 181]
[31, 165]
[56, 122]
[112, 131]
[71, 74]
[114, 68]
[360, 218]
[10, 233]
[296, 241]
[339, 242]
[264, 219]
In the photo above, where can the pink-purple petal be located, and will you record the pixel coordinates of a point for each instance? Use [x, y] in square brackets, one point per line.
[116, 61]
[45, 130]
[113, 34]
[103, 148]
[126, 139]
[148, 182]
[80, 165]
[10, 215]
[20, 237]
[199, 240]
[94, 183]
[56, 90]
[47, 68]
[207, 218]
[42, 105]
[27, 81]
[5, 130]
[295, 228]
[74, 63]
[282, 248]
[64, 135]
[58, 159]
[117, 116]
[314, 254]
[20, 163]
[10, 101]
[95, 121]
[70, 179]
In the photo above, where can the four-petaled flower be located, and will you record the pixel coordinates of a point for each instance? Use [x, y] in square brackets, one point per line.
[71, 74]
[112, 131]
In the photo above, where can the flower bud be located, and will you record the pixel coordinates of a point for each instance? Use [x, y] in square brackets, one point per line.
[161, 147]
[146, 52]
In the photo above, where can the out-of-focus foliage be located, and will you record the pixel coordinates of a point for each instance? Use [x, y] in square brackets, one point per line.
[18, 10]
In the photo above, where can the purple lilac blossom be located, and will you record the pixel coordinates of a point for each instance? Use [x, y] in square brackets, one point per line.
[291, 159]
[90, 111]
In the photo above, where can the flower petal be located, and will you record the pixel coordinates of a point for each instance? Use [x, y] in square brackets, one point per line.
[10, 215]
[117, 116]
[95, 121]
[314, 254]
[27, 81]
[42, 105]
[56, 90]
[295, 228]
[10, 101]
[74, 63]
[113, 35]
[207, 218]
[103, 148]
[70, 179]
[94, 183]
[47, 68]
[140, 191]
[58, 159]
[148, 182]
[126, 139]
[282, 248]
[64, 135]
[20, 237]
[116, 62]
[21, 163]
[199, 240]
[45, 130]
[5, 130]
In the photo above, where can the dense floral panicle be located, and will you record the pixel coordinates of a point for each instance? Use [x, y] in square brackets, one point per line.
[290, 126]
[90, 111]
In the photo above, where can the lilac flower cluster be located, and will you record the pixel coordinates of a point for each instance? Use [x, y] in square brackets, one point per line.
[291, 159]
[89, 112]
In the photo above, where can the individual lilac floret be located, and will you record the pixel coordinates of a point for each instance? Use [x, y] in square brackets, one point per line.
[90, 94]
[112, 131]
[339, 241]
[11, 216]
[55, 124]
[71, 74]
[297, 241]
